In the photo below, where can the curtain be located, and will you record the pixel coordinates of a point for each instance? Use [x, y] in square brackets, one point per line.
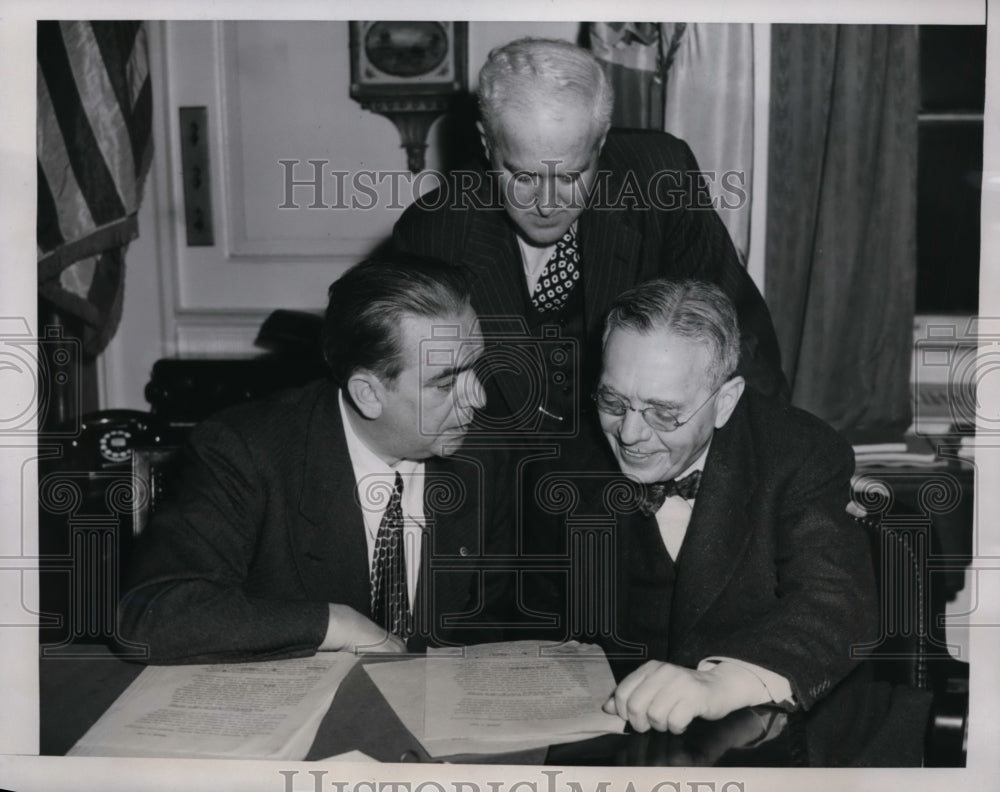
[94, 146]
[841, 224]
[684, 78]
[711, 79]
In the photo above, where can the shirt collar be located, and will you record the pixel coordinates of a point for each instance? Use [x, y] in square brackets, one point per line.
[534, 258]
[698, 464]
[365, 461]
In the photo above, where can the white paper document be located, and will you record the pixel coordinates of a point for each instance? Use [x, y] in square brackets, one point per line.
[350, 756]
[268, 710]
[498, 698]
[513, 692]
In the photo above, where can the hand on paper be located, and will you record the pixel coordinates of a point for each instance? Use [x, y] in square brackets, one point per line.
[665, 697]
[349, 631]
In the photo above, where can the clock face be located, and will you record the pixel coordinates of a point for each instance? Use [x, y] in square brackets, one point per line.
[406, 49]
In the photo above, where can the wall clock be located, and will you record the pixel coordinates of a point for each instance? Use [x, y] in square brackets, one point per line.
[409, 72]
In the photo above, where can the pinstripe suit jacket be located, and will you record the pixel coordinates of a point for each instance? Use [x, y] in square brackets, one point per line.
[622, 243]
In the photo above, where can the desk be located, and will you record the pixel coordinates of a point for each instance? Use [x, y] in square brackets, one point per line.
[74, 692]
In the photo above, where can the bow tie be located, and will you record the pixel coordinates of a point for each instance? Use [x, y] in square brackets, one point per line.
[655, 494]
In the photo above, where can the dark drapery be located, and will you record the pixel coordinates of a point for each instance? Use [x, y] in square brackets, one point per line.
[841, 220]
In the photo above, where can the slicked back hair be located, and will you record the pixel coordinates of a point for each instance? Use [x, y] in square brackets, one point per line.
[369, 302]
[530, 71]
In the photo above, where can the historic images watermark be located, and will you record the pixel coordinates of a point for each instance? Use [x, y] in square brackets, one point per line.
[951, 360]
[311, 184]
[37, 373]
[324, 781]
[95, 527]
[543, 363]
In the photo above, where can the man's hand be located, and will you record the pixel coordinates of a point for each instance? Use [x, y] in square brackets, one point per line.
[349, 631]
[663, 696]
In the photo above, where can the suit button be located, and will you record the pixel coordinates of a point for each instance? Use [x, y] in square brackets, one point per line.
[463, 551]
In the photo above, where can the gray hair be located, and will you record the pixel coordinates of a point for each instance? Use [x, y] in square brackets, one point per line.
[690, 309]
[548, 70]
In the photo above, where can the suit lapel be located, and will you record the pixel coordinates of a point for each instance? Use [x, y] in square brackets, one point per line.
[719, 532]
[609, 252]
[492, 253]
[329, 543]
[452, 505]
[422, 608]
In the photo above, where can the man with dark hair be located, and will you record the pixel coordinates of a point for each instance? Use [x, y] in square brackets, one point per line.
[312, 520]
[738, 573]
[565, 214]
[569, 214]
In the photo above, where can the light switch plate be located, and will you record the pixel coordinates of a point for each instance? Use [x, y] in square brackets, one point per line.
[195, 172]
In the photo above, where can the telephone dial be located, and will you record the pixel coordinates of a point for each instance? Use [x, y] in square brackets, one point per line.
[106, 438]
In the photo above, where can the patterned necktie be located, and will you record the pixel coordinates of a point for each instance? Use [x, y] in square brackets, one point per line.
[390, 601]
[655, 494]
[561, 272]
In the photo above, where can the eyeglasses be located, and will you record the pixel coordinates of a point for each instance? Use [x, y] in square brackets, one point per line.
[657, 418]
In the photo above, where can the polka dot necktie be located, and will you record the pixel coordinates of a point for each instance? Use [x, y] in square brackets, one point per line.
[390, 601]
[655, 494]
[561, 272]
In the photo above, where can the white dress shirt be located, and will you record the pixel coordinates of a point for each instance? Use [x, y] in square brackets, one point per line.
[673, 518]
[374, 482]
[675, 513]
[534, 260]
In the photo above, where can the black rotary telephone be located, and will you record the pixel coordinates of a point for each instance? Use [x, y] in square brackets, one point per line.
[106, 438]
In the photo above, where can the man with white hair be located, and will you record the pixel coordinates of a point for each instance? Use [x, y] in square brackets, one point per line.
[566, 214]
[569, 214]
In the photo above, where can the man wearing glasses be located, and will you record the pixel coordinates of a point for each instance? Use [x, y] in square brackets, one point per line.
[737, 569]
[560, 215]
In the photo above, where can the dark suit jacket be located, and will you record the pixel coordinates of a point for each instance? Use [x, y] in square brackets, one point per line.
[622, 243]
[265, 530]
[773, 571]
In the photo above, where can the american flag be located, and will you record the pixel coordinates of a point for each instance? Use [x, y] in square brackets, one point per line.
[94, 147]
